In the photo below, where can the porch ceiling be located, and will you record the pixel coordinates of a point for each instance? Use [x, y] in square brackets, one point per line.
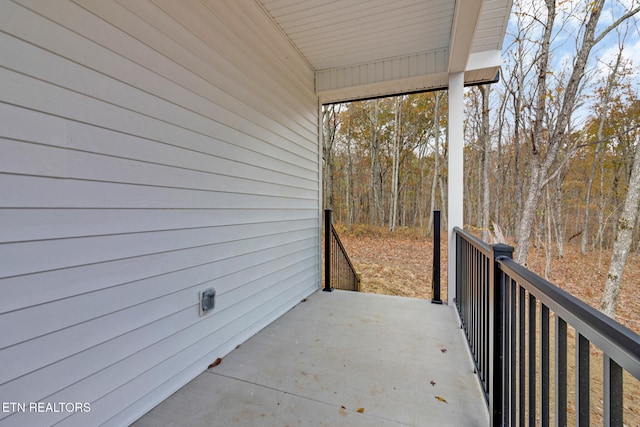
[367, 48]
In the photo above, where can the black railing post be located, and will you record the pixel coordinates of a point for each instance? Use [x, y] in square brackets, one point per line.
[497, 336]
[506, 311]
[435, 278]
[327, 250]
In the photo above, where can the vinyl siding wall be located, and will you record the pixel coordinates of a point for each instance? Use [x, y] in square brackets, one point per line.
[148, 150]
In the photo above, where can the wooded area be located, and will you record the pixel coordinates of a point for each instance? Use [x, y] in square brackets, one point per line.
[552, 152]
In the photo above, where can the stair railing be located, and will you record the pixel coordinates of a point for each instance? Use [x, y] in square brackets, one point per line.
[339, 270]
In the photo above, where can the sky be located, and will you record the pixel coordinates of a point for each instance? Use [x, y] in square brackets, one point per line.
[569, 30]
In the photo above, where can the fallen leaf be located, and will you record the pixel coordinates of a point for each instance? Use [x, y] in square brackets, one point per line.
[216, 363]
[433, 383]
[441, 399]
[361, 410]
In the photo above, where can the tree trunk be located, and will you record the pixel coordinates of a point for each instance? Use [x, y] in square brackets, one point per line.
[542, 161]
[329, 130]
[421, 188]
[548, 246]
[500, 170]
[523, 233]
[603, 115]
[443, 204]
[602, 203]
[393, 217]
[375, 167]
[518, 177]
[486, 161]
[585, 226]
[436, 165]
[477, 191]
[558, 221]
[622, 243]
[349, 179]
[518, 103]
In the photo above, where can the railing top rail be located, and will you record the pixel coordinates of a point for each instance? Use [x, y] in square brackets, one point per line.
[479, 244]
[617, 341]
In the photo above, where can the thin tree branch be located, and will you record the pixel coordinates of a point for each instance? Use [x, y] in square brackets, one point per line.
[609, 138]
[617, 22]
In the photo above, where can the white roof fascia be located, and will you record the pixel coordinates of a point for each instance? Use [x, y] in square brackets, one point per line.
[465, 21]
[483, 60]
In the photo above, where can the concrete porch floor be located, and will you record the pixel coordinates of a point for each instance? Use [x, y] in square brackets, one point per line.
[330, 356]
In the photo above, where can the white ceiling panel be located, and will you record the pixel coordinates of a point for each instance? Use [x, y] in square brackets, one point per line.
[345, 37]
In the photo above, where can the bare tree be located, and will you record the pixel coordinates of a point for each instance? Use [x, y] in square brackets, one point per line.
[603, 116]
[397, 137]
[349, 174]
[374, 145]
[486, 161]
[548, 133]
[331, 122]
[624, 236]
[436, 168]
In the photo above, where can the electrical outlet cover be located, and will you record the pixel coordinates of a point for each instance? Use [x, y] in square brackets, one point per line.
[207, 301]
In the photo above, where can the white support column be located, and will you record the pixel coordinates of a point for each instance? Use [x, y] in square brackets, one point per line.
[456, 173]
[320, 193]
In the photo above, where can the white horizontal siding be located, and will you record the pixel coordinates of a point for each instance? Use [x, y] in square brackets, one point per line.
[195, 153]
[131, 315]
[382, 78]
[217, 176]
[148, 150]
[382, 71]
[41, 224]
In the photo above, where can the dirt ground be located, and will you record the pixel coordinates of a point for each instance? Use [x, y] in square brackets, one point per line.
[400, 263]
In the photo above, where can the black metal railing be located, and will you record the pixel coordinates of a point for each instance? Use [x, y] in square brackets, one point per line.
[339, 272]
[516, 326]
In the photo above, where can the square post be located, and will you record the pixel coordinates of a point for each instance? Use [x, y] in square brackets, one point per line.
[498, 348]
[435, 277]
[455, 186]
[327, 250]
